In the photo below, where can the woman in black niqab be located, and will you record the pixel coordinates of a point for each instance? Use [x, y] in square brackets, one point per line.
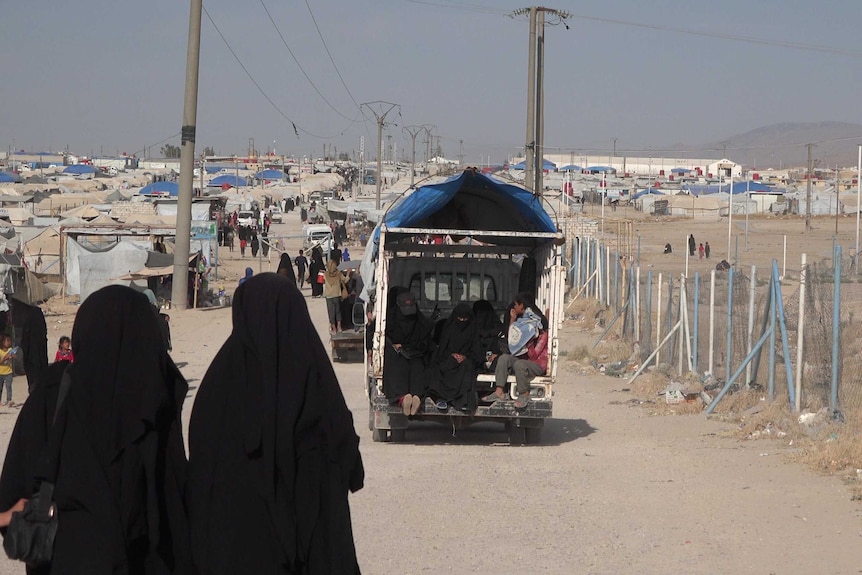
[272, 448]
[122, 467]
[315, 267]
[285, 267]
[458, 357]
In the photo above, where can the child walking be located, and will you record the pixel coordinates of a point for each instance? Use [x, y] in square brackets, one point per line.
[64, 350]
[6, 372]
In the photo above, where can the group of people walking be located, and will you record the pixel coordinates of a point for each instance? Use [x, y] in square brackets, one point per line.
[272, 451]
[441, 360]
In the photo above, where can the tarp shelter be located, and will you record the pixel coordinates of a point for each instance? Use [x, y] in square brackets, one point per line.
[570, 168]
[270, 175]
[646, 192]
[601, 170]
[161, 188]
[680, 171]
[42, 249]
[79, 169]
[546, 165]
[229, 179]
[9, 178]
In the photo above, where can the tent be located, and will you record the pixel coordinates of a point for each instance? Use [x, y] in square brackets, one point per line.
[9, 178]
[546, 165]
[270, 175]
[647, 192]
[680, 171]
[85, 211]
[601, 170]
[79, 169]
[570, 168]
[231, 180]
[738, 188]
[161, 188]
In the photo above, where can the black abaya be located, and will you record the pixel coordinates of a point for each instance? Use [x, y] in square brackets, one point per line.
[34, 340]
[272, 448]
[285, 267]
[405, 371]
[122, 467]
[457, 382]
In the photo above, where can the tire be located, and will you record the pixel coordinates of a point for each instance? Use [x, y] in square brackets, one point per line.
[533, 435]
[517, 435]
[397, 435]
[379, 435]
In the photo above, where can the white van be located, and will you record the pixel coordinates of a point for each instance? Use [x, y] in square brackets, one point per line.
[317, 235]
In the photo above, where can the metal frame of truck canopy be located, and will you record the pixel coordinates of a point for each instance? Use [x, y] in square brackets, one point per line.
[387, 421]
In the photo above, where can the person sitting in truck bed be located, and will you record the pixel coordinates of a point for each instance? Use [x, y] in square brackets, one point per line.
[528, 352]
[458, 357]
[408, 341]
[489, 331]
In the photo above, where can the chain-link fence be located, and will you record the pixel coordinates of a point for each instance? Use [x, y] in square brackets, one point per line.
[738, 323]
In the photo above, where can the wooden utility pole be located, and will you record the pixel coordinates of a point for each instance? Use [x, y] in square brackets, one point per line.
[376, 108]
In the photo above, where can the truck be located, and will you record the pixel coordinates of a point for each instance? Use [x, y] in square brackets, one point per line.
[498, 241]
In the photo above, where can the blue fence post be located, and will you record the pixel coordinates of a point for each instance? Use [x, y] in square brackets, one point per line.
[729, 343]
[695, 303]
[785, 342]
[836, 325]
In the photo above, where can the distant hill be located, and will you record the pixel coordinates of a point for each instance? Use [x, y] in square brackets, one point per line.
[783, 145]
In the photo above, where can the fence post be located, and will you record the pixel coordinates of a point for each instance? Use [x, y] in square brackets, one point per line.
[658, 319]
[773, 280]
[637, 310]
[751, 288]
[729, 340]
[696, 320]
[800, 340]
[836, 329]
[711, 321]
[785, 344]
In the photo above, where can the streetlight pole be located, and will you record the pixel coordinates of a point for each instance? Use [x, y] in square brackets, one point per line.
[182, 241]
[376, 108]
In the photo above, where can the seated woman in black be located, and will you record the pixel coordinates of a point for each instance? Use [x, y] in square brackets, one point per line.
[458, 357]
[489, 330]
[408, 341]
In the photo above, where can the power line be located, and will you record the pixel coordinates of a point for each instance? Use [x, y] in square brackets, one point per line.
[328, 53]
[296, 128]
[301, 69]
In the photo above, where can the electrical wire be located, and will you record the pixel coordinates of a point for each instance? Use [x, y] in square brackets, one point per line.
[328, 53]
[296, 128]
[301, 69]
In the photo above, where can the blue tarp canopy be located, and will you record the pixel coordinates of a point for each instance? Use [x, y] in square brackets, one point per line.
[738, 188]
[213, 169]
[270, 175]
[470, 201]
[546, 165]
[601, 169]
[680, 171]
[170, 188]
[653, 191]
[570, 168]
[79, 169]
[229, 179]
[9, 178]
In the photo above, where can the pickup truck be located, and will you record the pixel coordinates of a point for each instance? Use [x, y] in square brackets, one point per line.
[501, 242]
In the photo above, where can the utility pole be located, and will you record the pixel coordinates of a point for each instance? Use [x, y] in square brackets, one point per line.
[461, 154]
[808, 192]
[534, 145]
[413, 131]
[182, 242]
[377, 108]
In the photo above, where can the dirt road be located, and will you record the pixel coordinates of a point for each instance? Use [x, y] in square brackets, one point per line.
[611, 490]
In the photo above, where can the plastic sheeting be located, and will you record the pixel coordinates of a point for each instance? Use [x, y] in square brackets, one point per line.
[88, 269]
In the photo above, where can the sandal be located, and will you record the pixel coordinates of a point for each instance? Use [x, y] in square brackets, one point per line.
[492, 397]
[522, 401]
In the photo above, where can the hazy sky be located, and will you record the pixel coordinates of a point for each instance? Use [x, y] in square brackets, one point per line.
[98, 75]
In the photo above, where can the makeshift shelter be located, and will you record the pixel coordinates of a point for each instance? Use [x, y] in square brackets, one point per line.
[270, 175]
[546, 165]
[601, 170]
[229, 180]
[9, 178]
[42, 249]
[84, 212]
[79, 170]
[161, 189]
[570, 168]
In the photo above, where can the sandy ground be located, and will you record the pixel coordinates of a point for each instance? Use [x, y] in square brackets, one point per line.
[613, 488]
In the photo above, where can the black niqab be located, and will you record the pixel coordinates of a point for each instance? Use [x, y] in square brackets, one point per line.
[122, 467]
[272, 447]
[457, 381]
[285, 267]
